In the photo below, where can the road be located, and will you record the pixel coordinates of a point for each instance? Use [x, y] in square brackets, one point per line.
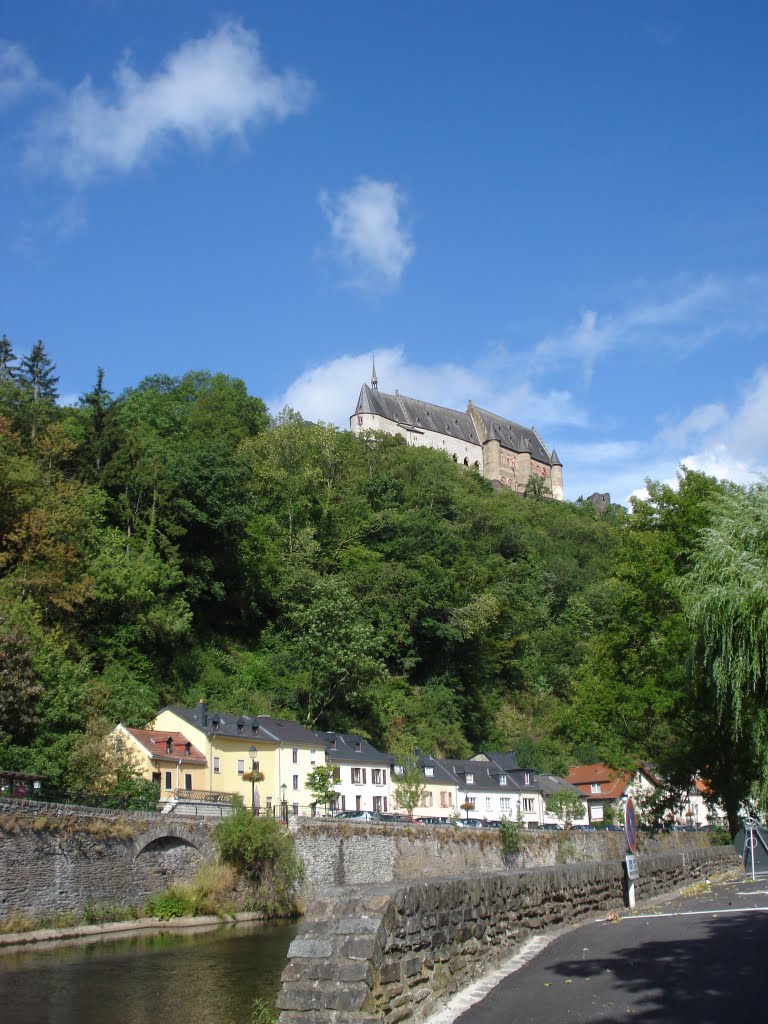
[697, 958]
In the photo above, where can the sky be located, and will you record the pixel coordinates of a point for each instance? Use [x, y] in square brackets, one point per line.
[557, 210]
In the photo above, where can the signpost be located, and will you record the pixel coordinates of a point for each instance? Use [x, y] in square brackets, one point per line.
[630, 861]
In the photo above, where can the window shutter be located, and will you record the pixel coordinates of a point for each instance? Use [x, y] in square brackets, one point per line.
[363, 776]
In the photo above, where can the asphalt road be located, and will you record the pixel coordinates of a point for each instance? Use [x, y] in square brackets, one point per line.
[699, 958]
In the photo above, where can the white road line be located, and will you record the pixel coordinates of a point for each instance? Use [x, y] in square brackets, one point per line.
[697, 913]
[478, 990]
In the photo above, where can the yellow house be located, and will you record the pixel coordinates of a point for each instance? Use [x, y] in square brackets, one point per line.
[167, 758]
[279, 753]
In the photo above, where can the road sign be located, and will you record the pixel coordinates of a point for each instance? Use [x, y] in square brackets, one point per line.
[630, 826]
[633, 871]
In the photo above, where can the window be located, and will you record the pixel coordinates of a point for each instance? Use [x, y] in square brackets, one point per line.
[383, 776]
[376, 776]
[398, 769]
[470, 778]
[358, 747]
[446, 798]
[502, 780]
[488, 803]
[527, 778]
[426, 800]
[187, 749]
[240, 767]
[215, 725]
[169, 746]
[240, 728]
[216, 765]
[169, 780]
[295, 810]
[377, 804]
[333, 744]
[156, 778]
[269, 803]
[188, 782]
[254, 730]
[528, 804]
[429, 772]
[357, 776]
[295, 781]
[312, 754]
[505, 804]
[595, 787]
[295, 757]
[336, 773]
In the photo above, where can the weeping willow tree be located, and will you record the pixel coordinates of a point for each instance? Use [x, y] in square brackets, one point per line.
[725, 596]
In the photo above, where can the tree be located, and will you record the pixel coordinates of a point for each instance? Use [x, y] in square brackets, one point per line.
[19, 686]
[7, 358]
[38, 383]
[321, 783]
[410, 788]
[566, 805]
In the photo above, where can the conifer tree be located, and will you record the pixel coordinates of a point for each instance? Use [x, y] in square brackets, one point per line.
[36, 377]
[7, 358]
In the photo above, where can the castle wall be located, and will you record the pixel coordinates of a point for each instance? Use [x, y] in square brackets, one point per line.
[361, 422]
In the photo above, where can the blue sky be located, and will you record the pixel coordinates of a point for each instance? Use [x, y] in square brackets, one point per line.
[557, 210]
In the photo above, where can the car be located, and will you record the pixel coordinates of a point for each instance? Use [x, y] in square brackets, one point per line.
[583, 828]
[469, 823]
[436, 821]
[549, 827]
[358, 816]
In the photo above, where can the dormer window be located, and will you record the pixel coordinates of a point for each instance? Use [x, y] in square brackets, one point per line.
[333, 744]
[358, 747]
[254, 730]
[169, 746]
[188, 749]
[240, 728]
[470, 778]
[429, 772]
[527, 778]
[215, 724]
[502, 780]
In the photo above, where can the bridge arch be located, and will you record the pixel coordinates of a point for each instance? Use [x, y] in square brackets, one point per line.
[173, 834]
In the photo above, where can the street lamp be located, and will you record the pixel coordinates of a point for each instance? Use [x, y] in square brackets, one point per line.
[252, 752]
[284, 789]
[466, 804]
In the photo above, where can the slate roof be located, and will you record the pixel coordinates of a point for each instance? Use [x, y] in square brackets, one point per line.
[218, 723]
[415, 414]
[486, 776]
[551, 784]
[506, 760]
[345, 751]
[155, 743]
[411, 412]
[512, 435]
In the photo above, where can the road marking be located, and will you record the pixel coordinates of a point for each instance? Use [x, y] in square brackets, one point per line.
[479, 989]
[696, 913]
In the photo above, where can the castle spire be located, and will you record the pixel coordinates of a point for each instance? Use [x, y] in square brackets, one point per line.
[374, 378]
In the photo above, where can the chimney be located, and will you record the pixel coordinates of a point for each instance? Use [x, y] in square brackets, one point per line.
[201, 713]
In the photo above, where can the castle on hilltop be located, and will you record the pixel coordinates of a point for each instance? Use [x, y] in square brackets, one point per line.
[502, 451]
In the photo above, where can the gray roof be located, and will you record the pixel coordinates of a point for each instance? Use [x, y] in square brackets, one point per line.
[345, 749]
[418, 415]
[215, 723]
[411, 412]
[550, 784]
[487, 775]
[512, 435]
[504, 759]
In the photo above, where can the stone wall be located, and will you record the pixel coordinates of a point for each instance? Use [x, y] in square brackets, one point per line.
[390, 953]
[56, 858]
[354, 853]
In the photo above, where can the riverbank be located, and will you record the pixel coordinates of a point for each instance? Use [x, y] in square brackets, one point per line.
[42, 938]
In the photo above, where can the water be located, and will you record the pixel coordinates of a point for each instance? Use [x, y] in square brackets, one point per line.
[210, 978]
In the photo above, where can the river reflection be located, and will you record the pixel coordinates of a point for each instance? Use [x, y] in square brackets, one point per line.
[211, 978]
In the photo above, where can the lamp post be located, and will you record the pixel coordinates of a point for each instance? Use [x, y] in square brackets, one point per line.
[466, 804]
[284, 788]
[252, 752]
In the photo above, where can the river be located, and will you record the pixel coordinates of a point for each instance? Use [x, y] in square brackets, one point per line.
[208, 978]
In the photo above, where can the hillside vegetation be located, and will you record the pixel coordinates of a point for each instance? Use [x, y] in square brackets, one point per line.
[172, 543]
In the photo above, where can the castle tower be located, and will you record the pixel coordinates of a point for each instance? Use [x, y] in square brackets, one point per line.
[557, 476]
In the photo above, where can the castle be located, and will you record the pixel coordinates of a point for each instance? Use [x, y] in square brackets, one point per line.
[502, 451]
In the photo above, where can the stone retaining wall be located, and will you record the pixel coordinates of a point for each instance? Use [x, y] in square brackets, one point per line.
[55, 858]
[390, 953]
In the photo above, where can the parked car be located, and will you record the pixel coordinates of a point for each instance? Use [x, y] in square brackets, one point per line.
[549, 827]
[469, 823]
[583, 828]
[436, 821]
[359, 816]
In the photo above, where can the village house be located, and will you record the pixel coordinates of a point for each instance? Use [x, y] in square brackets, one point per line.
[606, 787]
[274, 755]
[362, 773]
[167, 758]
[439, 796]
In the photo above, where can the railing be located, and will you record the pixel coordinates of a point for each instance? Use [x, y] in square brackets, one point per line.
[202, 796]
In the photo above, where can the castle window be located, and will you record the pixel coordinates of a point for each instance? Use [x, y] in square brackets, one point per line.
[466, 461]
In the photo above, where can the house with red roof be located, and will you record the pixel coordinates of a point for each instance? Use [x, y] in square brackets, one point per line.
[603, 786]
[165, 757]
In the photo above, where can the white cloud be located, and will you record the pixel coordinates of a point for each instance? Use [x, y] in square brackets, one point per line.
[329, 392]
[697, 313]
[369, 237]
[208, 88]
[18, 74]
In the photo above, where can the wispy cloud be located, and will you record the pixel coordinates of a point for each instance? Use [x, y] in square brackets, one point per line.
[18, 74]
[368, 235]
[329, 391]
[712, 308]
[208, 88]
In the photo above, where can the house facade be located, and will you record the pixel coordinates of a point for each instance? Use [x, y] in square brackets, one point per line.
[607, 787]
[168, 759]
[281, 753]
[362, 773]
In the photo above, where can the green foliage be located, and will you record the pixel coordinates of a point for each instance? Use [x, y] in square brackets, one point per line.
[566, 805]
[172, 902]
[322, 785]
[263, 850]
[511, 833]
[410, 787]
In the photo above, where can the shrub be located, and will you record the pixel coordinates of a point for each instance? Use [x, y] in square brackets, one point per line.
[173, 902]
[263, 850]
[511, 836]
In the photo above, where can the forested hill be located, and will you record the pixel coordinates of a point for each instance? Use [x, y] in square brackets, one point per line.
[173, 543]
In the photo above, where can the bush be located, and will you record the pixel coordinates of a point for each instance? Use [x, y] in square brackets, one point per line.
[511, 836]
[263, 850]
[720, 837]
[173, 902]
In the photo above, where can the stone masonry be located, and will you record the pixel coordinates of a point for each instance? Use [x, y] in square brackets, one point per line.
[391, 953]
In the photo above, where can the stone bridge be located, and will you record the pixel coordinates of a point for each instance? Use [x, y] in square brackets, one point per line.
[55, 858]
